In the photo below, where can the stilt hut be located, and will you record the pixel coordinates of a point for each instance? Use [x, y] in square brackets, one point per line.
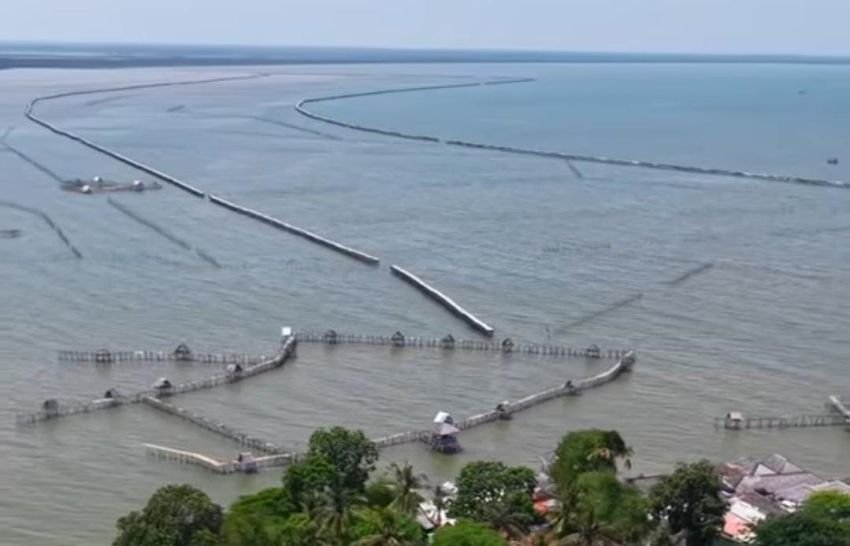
[502, 410]
[247, 463]
[733, 420]
[162, 386]
[398, 339]
[103, 356]
[593, 351]
[444, 434]
[331, 337]
[507, 345]
[51, 407]
[183, 353]
[112, 394]
[448, 342]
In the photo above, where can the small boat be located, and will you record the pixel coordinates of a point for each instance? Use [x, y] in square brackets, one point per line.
[832, 161]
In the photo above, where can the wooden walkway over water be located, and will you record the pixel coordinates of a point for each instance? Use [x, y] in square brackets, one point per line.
[273, 454]
[839, 416]
[216, 426]
[52, 409]
[449, 343]
[501, 411]
[107, 356]
[793, 421]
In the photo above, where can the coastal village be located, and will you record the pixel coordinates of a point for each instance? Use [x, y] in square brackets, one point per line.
[347, 488]
[516, 505]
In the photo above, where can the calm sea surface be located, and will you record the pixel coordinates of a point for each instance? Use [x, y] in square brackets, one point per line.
[520, 241]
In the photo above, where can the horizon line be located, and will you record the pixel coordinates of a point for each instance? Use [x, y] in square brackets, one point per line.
[432, 49]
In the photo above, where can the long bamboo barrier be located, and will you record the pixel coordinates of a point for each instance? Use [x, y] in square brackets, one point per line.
[442, 299]
[300, 107]
[309, 235]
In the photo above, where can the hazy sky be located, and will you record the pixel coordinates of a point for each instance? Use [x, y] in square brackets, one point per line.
[723, 26]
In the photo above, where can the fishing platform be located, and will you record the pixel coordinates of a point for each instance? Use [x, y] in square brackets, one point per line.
[100, 185]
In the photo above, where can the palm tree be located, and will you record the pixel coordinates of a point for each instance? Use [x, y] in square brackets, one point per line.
[611, 447]
[389, 529]
[600, 510]
[440, 500]
[336, 513]
[406, 483]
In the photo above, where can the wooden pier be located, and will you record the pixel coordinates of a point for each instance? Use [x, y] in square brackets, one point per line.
[217, 466]
[501, 411]
[217, 427]
[794, 421]
[105, 356]
[52, 409]
[442, 299]
[449, 343]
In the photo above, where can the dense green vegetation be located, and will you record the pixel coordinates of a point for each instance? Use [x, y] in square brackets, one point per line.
[824, 520]
[333, 496]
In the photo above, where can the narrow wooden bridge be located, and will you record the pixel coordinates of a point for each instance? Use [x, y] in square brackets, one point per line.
[449, 343]
[501, 411]
[52, 408]
[181, 354]
[736, 421]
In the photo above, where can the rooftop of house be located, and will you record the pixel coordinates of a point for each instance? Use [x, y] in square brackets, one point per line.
[757, 487]
[733, 472]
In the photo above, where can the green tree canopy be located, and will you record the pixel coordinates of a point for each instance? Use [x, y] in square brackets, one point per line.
[387, 527]
[380, 493]
[689, 500]
[267, 503]
[829, 504]
[176, 515]
[350, 453]
[304, 480]
[602, 508]
[587, 451]
[467, 533]
[493, 493]
[335, 512]
[801, 529]
[300, 530]
[246, 529]
[406, 485]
